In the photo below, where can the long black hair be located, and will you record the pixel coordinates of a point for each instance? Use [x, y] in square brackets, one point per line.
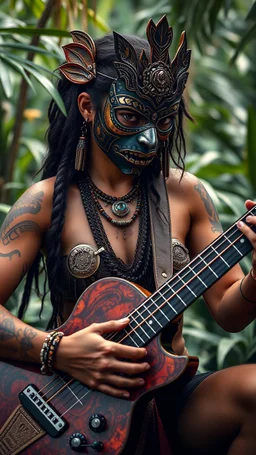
[62, 135]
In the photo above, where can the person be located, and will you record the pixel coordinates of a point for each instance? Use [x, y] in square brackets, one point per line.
[89, 217]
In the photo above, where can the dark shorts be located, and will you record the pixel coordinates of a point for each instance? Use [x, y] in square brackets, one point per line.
[171, 402]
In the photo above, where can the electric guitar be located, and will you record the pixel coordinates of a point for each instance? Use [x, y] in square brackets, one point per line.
[57, 414]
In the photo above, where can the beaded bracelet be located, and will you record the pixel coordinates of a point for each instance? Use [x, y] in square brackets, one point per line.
[242, 294]
[48, 351]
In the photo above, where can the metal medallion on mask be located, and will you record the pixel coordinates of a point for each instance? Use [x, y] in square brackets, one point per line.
[132, 148]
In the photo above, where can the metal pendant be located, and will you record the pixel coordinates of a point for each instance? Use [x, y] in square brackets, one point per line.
[120, 208]
[83, 260]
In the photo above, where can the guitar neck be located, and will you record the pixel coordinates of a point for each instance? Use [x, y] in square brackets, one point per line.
[179, 292]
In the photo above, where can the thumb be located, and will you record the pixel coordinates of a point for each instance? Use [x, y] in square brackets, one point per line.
[110, 326]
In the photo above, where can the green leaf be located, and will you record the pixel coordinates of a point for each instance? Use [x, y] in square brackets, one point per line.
[202, 335]
[5, 80]
[18, 68]
[246, 38]
[226, 345]
[31, 31]
[4, 208]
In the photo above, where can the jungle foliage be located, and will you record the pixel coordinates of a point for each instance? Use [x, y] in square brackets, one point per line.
[221, 97]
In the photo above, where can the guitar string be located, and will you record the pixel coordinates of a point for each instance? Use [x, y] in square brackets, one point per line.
[111, 336]
[149, 299]
[218, 255]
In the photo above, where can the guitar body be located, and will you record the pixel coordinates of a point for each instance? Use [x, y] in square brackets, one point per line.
[106, 299]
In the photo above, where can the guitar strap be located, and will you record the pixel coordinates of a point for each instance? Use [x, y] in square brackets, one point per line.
[160, 224]
[153, 438]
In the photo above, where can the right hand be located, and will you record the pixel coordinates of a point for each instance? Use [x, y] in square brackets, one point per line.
[95, 361]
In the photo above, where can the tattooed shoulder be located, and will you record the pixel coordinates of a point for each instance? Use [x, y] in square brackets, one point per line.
[209, 207]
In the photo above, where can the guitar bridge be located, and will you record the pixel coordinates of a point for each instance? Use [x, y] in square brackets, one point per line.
[42, 412]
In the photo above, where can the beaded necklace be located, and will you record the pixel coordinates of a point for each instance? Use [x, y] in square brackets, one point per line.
[119, 204]
[138, 270]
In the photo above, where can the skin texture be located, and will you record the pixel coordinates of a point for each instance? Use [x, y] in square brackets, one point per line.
[86, 355]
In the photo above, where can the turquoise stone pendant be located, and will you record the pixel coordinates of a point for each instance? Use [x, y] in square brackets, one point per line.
[120, 208]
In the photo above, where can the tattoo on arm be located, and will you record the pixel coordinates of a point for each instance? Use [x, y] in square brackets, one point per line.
[209, 207]
[26, 204]
[15, 232]
[10, 254]
[23, 337]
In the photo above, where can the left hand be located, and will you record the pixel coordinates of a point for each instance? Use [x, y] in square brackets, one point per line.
[248, 232]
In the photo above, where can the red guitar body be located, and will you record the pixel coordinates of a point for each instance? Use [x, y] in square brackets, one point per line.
[104, 300]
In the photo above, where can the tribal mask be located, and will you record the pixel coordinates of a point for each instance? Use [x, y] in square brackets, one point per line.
[148, 89]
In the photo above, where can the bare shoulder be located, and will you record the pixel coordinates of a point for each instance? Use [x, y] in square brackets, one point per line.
[35, 203]
[191, 191]
[181, 183]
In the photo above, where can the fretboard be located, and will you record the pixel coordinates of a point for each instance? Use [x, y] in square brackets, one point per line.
[179, 292]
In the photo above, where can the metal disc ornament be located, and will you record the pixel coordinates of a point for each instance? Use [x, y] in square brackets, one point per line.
[120, 208]
[83, 260]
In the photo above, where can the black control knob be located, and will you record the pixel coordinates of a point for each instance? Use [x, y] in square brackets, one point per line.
[97, 423]
[77, 441]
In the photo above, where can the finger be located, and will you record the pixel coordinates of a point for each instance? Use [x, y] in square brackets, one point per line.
[248, 232]
[117, 393]
[109, 326]
[251, 219]
[129, 368]
[123, 382]
[249, 204]
[126, 352]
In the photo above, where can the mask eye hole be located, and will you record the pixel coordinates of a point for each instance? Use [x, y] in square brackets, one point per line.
[165, 123]
[130, 118]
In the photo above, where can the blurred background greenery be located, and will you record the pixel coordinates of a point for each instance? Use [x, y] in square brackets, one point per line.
[220, 95]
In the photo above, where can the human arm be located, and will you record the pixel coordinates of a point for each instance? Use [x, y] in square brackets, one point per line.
[224, 298]
[86, 355]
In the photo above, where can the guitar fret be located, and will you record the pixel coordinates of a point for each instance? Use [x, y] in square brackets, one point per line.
[159, 309]
[233, 245]
[140, 325]
[208, 266]
[153, 316]
[131, 338]
[219, 256]
[197, 276]
[187, 286]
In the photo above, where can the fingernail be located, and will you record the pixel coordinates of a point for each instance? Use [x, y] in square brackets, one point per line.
[124, 320]
[240, 224]
[141, 381]
[126, 395]
[148, 367]
[249, 218]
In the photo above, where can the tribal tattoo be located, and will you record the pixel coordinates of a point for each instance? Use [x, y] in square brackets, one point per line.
[15, 232]
[10, 254]
[213, 216]
[26, 204]
[23, 337]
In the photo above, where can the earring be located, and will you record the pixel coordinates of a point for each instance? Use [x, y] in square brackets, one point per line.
[165, 159]
[81, 147]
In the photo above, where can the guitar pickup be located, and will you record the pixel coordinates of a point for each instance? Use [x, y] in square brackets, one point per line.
[42, 412]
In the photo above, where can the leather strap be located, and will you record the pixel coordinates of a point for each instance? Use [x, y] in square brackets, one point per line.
[18, 432]
[160, 223]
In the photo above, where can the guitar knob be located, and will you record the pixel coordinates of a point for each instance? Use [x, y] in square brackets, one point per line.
[77, 441]
[97, 423]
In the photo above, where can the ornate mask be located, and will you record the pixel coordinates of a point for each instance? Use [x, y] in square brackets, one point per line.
[146, 89]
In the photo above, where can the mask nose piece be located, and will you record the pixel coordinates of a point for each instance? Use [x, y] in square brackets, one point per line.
[148, 138]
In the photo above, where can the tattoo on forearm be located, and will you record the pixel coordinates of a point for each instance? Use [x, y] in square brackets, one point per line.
[17, 230]
[26, 204]
[213, 216]
[23, 337]
[7, 329]
[10, 254]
